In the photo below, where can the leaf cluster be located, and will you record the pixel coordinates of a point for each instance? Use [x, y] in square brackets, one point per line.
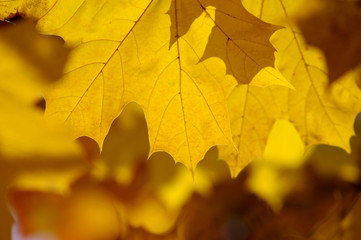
[98, 100]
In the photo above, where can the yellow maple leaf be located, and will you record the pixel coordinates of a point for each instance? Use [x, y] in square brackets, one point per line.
[238, 38]
[319, 114]
[160, 54]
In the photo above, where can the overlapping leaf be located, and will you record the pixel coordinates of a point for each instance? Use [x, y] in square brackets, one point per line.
[162, 55]
[319, 115]
[237, 37]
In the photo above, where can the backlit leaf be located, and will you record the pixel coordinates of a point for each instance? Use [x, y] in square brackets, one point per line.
[162, 55]
[319, 114]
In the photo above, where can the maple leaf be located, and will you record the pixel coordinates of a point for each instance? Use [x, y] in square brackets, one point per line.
[240, 39]
[333, 26]
[319, 115]
[124, 53]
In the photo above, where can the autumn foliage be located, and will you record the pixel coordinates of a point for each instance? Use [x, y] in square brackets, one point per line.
[180, 119]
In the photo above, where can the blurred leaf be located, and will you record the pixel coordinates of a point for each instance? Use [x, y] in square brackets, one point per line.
[233, 212]
[230, 212]
[139, 234]
[28, 143]
[88, 212]
[127, 144]
[284, 145]
[333, 26]
[331, 161]
[276, 175]
[350, 225]
[47, 54]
